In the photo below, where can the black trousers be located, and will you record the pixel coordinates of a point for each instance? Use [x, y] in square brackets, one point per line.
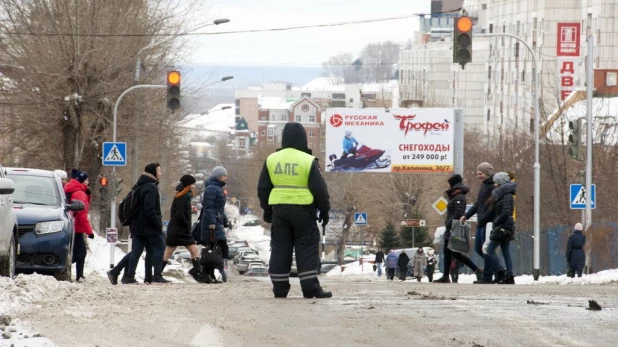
[79, 255]
[294, 227]
[448, 254]
[390, 273]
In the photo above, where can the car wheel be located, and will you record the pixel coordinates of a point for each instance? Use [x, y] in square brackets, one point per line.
[65, 275]
[7, 264]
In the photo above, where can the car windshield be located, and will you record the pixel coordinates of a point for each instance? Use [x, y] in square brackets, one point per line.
[35, 190]
[258, 269]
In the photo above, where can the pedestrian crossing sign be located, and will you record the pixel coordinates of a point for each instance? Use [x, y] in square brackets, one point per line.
[114, 153]
[360, 218]
[579, 196]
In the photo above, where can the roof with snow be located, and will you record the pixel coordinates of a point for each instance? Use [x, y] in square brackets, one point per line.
[275, 103]
[215, 119]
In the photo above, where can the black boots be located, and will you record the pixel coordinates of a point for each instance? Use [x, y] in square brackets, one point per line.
[112, 278]
[196, 270]
[159, 279]
[128, 280]
[320, 294]
[443, 279]
[499, 276]
[509, 279]
[479, 273]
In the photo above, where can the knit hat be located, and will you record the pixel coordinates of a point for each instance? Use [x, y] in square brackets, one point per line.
[62, 174]
[485, 168]
[579, 226]
[218, 171]
[453, 180]
[501, 178]
[187, 180]
[348, 133]
[152, 169]
[81, 176]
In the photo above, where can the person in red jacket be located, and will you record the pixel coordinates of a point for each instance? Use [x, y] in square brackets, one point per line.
[77, 189]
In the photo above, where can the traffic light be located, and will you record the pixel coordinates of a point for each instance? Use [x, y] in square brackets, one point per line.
[118, 189]
[575, 138]
[173, 90]
[103, 181]
[462, 41]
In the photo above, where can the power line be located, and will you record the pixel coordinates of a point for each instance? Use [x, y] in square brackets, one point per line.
[325, 25]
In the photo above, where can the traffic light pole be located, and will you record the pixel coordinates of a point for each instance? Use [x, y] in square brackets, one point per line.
[537, 164]
[113, 199]
[589, 142]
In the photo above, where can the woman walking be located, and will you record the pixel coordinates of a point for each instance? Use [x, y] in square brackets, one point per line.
[455, 209]
[420, 262]
[214, 219]
[179, 228]
[576, 256]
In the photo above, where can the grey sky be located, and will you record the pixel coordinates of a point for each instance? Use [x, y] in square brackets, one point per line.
[303, 47]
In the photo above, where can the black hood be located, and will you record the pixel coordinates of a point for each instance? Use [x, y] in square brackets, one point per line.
[459, 186]
[295, 136]
[145, 178]
[507, 188]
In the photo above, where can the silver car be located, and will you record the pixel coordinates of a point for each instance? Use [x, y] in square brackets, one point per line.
[8, 227]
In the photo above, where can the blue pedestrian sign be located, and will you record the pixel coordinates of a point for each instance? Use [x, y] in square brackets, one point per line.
[579, 196]
[360, 218]
[114, 153]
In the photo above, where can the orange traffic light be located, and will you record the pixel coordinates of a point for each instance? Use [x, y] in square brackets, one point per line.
[103, 181]
[173, 90]
[464, 24]
[462, 41]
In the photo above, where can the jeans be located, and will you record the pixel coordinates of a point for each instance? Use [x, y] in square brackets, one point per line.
[379, 265]
[492, 261]
[153, 244]
[479, 239]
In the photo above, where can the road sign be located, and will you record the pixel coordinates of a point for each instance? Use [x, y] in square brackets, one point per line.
[578, 196]
[114, 153]
[415, 222]
[440, 205]
[360, 218]
[111, 234]
[473, 218]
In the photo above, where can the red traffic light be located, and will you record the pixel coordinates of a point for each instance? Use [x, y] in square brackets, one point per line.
[103, 181]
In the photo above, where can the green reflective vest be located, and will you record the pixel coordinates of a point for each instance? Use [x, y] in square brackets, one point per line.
[289, 173]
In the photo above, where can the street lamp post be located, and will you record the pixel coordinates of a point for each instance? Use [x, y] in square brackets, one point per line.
[537, 164]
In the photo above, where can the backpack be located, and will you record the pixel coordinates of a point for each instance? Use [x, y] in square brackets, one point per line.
[126, 212]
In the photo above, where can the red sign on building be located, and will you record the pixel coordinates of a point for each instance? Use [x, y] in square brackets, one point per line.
[568, 39]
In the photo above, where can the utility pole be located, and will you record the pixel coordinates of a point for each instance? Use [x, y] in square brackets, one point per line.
[589, 142]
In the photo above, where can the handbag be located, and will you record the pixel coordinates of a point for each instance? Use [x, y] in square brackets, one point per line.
[500, 234]
[196, 229]
[211, 253]
[460, 237]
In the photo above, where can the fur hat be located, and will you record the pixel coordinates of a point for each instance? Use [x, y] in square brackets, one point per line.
[485, 168]
[453, 180]
[501, 178]
[152, 169]
[63, 174]
[579, 227]
[187, 180]
[218, 171]
[81, 176]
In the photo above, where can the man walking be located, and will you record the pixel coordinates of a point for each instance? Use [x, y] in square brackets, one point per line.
[146, 225]
[379, 261]
[291, 189]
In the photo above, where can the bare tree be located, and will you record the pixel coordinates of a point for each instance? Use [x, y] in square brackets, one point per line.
[341, 69]
[380, 61]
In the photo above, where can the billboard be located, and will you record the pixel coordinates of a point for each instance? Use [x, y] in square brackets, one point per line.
[413, 140]
[568, 39]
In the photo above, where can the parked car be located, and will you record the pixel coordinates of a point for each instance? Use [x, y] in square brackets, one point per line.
[45, 223]
[255, 263]
[8, 227]
[244, 253]
[257, 271]
[243, 264]
[252, 223]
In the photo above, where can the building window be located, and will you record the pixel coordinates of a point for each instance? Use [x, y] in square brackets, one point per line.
[337, 103]
[304, 108]
[263, 133]
[305, 95]
[516, 49]
[491, 28]
[284, 118]
[311, 119]
[488, 115]
[310, 146]
[271, 131]
[311, 133]
[339, 96]
[298, 118]
[351, 100]
[489, 73]
[241, 142]
[611, 79]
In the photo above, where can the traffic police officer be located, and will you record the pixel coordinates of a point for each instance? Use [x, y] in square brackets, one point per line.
[291, 189]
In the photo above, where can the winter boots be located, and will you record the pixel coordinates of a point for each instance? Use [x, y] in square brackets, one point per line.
[509, 279]
[443, 279]
[479, 273]
[196, 270]
[112, 277]
[159, 279]
[499, 276]
[320, 294]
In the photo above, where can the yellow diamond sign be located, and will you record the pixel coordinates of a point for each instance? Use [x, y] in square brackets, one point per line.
[440, 205]
[233, 200]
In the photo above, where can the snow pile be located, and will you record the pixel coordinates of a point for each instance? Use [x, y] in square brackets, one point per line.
[26, 290]
[353, 269]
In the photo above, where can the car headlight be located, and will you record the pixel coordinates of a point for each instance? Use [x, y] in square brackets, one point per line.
[48, 227]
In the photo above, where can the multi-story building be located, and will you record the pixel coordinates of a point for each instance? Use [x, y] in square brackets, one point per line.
[496, 89]
[276, 112]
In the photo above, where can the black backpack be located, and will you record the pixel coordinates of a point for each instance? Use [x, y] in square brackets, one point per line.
[126, 210]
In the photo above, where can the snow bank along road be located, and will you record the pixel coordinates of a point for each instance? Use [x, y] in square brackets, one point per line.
[361, 313]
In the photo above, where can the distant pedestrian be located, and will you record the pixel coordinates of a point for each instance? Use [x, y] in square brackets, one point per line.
[455, 209]
[379, 261]
[77, 189]
[391, 265]
[420, 262]
[402, 262]
[576, 256]
[179, 228]
[431, 264]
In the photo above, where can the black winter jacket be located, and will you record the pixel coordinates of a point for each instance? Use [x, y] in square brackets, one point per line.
[403, 261]
[295, 136]
[576, 256]
[481, 205]
[147, 220]
[213, 206]
[501, 210]
[456, 205]
[180, 215]
[379, 257]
